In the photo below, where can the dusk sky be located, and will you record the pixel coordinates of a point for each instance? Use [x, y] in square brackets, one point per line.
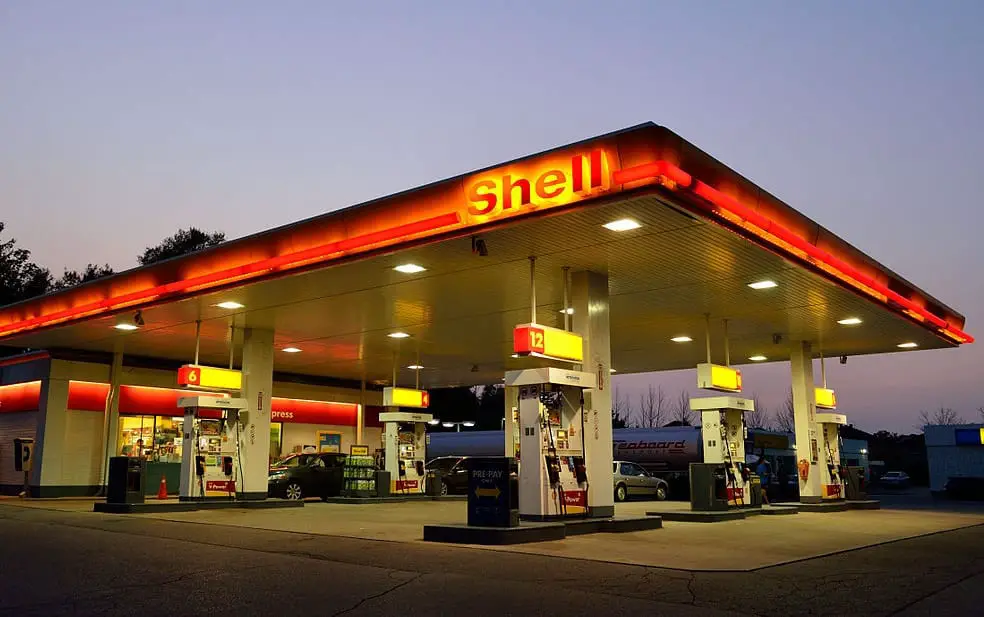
[123, 121]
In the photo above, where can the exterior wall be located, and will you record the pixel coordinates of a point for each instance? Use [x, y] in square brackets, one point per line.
[946, 459]
[12, 425]
[73, 439]
[306, 435]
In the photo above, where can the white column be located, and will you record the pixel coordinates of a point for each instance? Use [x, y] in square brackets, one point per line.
[257, 390]
[360, 417]
[111, 417]
[510, 430]
[591, 322]
[47, 477]
[805, 416]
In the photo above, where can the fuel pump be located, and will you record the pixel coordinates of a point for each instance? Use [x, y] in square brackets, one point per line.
[830, 424]
[553, 478]
[724, 433]
[210, 462]
[404, 445]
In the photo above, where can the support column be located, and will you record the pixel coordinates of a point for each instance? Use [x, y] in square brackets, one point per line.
[254, 445]
[591, 323]
[510, 426]
[47, 478]
[805, 417]
[111, 419]
[360, 417]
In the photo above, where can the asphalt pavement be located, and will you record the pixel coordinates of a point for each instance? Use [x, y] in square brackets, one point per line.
[74, 563]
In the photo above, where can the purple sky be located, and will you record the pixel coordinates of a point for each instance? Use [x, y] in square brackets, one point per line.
[121, 121]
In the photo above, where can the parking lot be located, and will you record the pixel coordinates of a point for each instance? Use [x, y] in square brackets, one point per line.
[756, 542]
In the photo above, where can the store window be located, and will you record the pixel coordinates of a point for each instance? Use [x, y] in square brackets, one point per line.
[136, 435]
[276, 441]
[156, 438]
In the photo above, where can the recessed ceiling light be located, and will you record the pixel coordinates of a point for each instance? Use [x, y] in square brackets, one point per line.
[398, 335]
[569, 311]
[611, 370]
[622, 225]
[415, 367]
[849, 321]
[763, 284]
[515, 355]
[125, 326]
[409, 268]
[230, 305]
[757, 358]
[291, 350]
[908, 345]
[681, 339]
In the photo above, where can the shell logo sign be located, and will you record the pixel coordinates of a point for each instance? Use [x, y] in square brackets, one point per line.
[543, 183]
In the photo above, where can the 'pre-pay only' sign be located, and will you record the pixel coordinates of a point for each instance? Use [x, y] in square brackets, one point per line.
[492, 500]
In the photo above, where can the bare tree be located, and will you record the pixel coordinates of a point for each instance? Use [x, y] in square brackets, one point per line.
[944, 415]
[621, 411]
[761, 418]
[786, 415]
[652, 407]
[980, 410]
[682, 413]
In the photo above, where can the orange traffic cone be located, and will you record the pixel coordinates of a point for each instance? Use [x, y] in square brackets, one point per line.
[162, 491]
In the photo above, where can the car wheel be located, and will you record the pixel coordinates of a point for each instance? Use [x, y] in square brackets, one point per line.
[294, 491]
[661, 492]
[621, 492]
[444, 489]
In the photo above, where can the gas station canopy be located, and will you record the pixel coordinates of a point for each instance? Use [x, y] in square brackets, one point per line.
[679, 235]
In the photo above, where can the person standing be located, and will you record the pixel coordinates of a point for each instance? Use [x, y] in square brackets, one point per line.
[765, 475]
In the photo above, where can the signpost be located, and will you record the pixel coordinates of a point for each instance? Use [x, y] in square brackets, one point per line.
[493, 496]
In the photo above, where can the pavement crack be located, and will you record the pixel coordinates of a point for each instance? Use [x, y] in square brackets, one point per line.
[690, 589]
[377, 595]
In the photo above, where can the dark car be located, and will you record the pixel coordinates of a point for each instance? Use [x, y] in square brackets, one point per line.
[962, 487]
[307, 475]
[454, 475]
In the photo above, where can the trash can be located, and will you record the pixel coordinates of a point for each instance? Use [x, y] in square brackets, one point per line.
[755, 490]
[382, 483]
[433, 483]
[125, 483]
[708, 487]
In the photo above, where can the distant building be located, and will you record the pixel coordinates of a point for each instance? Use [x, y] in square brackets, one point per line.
[954, 451]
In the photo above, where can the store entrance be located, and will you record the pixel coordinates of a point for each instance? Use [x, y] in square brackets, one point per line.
[157, 440]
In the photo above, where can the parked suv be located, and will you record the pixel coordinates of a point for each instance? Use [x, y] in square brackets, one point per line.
[307, 475]
[632, 480]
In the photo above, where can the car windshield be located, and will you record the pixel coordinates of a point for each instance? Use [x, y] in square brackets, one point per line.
[442, 464]
[288, 461]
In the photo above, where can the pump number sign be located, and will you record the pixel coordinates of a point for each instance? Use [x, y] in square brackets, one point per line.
[209, 377]
[717, 377]
[545, 342]
[405, 397]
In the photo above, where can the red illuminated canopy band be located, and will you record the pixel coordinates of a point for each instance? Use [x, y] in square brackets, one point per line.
[230, 275]
[20, 397]
[765, 227]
